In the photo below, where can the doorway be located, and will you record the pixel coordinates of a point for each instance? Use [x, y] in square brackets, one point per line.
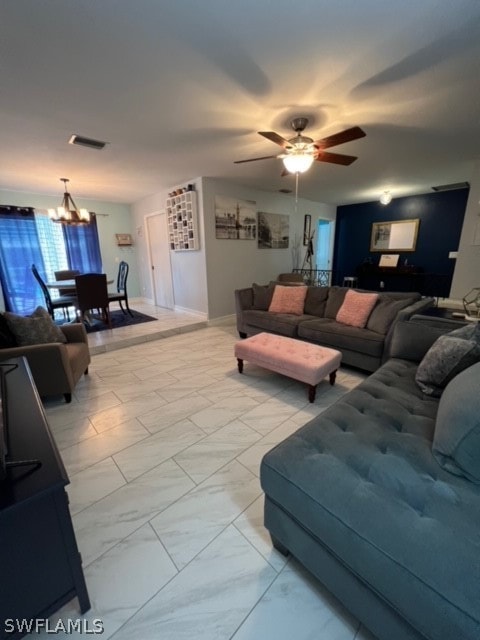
[324, 248]
[159, 254]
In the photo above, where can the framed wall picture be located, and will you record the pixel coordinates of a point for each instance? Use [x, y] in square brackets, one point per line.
[397, 235]
[307, 228]
[235, 219]
[273, 230]
[124, 239]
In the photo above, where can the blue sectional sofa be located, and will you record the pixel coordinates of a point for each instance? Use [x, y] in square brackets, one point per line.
[357, 496]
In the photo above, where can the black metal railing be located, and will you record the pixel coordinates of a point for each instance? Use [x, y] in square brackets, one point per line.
[316, 277]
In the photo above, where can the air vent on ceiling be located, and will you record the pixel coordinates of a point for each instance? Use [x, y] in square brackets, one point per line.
[285, 190]
[450, 187]
[87, 142]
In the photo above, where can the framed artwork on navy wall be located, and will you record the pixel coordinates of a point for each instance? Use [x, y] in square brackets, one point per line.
[397, 235]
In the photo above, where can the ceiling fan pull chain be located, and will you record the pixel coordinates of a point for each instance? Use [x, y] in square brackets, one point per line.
[296, 191]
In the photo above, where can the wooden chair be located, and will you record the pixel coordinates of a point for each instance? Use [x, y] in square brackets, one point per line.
[92, 293]
[121, 294]
[67, 274]
[62, 302]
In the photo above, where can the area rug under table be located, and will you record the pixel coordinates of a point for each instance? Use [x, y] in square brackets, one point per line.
[118, 319]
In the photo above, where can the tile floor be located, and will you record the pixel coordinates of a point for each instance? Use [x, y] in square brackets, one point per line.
[162, 444]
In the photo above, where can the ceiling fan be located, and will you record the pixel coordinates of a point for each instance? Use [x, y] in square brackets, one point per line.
[301, 151]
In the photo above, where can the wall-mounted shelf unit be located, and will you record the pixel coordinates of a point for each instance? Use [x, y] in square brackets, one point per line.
[182, 222]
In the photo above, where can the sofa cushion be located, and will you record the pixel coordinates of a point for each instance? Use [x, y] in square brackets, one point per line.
[385, 312]
[38, 328]
[7, 338]
[362, 479]
[288, 300]
[285, 324]
[449, 355]
[456, 443]
[356, 308]
[340, 336]
[316, 301]
[262, 295]
[336, 296]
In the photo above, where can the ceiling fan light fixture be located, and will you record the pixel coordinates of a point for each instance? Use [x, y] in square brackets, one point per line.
[67, 212]
[298, 161]
[386, 197]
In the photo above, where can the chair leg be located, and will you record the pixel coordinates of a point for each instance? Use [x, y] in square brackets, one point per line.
[128, 308]
[68, 397]
[121, 307]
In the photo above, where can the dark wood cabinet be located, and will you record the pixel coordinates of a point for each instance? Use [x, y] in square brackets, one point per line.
[40, 566]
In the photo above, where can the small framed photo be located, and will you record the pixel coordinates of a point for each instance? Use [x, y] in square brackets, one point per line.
[307, 228]
[389, 260]
[124, 239]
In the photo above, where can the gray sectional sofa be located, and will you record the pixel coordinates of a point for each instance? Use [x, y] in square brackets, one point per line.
[357, 496]
[363, 348]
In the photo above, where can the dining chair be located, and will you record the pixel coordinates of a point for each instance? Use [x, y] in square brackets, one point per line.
[121, 294]
[61, 302]
[67, 274]
[92, 293]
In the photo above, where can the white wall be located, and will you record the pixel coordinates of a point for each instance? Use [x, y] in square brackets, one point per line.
[113, 218]
[204, 280]
[233, 264]
[467, 267]
[188, 267]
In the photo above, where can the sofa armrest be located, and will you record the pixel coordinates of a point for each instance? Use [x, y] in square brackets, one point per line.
[416, 307]
[75, 332]
[404, 315]
[411, 340]
[44, 360]
[243, 302]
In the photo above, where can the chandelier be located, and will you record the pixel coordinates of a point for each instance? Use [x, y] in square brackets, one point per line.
[68, 212]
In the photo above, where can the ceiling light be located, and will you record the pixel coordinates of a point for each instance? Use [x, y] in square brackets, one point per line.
[386, 197]
[298, 161]
[67, 212]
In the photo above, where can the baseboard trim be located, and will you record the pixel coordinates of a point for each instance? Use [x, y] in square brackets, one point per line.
[222, 321]
[200, 314]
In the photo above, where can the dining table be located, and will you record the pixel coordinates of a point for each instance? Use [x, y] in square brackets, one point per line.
[67, 284]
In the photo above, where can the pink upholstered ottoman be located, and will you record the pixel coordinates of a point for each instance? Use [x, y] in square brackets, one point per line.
[296, 359]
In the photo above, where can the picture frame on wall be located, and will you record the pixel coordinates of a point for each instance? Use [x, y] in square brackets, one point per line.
[273, 230]
[396, 235]
[235, 219]
[307, 228]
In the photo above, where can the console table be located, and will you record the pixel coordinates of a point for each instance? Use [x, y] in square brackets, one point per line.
[403, 278]
[40, 566]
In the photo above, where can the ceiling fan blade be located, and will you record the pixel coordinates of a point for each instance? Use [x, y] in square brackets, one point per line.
[284, 173]
[277, 139]
[335, 158]
[340, 138]
[253, 159]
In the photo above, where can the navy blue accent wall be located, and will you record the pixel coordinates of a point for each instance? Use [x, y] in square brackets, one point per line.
[441, 219]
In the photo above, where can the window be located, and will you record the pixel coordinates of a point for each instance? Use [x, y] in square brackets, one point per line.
[28, 237]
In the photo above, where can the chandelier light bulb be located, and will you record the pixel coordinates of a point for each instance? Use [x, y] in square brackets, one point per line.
[298, 161]
[386, 197]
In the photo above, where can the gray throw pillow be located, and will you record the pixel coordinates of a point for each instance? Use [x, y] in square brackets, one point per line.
[385, 312]
[336, 296]
[38, 328]
[456, 441]
[447, 357]
[316, 301]
[262, 295]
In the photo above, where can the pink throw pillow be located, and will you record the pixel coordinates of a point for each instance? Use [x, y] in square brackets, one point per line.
[288, 300]
[356, 308]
